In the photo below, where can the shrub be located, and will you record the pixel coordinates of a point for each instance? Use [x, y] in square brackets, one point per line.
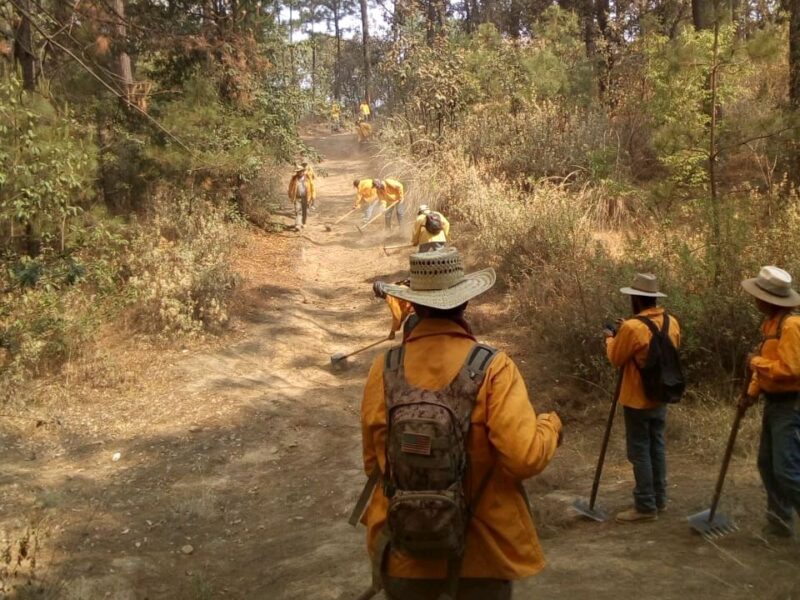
[180, 270]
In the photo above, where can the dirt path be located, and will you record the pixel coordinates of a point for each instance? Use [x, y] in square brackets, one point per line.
[238, 465]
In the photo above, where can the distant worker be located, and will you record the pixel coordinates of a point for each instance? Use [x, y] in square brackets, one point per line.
[301, 189]
[431, 230]
[336, 116]
[776, 375]
[390, 192]
[402, 311]
[364, 131]
[448, 435]
[364, 111]
[366, 197]
[312, 177]
[643, 399]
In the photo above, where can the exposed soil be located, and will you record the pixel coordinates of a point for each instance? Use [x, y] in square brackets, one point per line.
[228, 470]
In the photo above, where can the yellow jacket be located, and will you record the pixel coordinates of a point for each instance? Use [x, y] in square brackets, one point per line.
[364, 131]
[506, 438]
[400, 309]
[311, 191]
[628, 350]
[776, 368]
[364, 108]
[365, 193]
[312, 177]
[420, 235]
[392, 191]
[336, 110]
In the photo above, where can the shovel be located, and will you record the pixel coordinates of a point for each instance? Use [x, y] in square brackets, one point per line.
[340, 356]
[587, 509]
[340, 219]
[709, 523]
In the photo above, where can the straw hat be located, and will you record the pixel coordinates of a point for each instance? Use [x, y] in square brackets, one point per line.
[644, 284]
[773, 285]
[438, 280]
[298, 168]
[423, 208]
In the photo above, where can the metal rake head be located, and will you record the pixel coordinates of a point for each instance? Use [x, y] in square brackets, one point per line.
[712, 528]
[583, 507]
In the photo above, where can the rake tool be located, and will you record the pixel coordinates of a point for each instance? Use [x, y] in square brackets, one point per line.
[340, 219]
[362, 227]
[340, 356]
[709, 523]
[588, 509]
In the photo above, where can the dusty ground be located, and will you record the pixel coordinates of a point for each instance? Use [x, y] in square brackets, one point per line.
[238, 462]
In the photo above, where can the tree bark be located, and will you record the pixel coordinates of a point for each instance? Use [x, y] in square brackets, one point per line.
[367, 57]
[124, 69]
[794, 53]
[23, 50]
[337, 77]
[794, 81]
[705, 13]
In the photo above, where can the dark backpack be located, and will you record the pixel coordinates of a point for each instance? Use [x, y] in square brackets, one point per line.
[433, 223]
[662, 376]
[426, 459]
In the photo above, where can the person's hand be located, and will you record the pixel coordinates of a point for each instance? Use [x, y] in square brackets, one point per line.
[748, 360]
[607, 333]
[746, 401]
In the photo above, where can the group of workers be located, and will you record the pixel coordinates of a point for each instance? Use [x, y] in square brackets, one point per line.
[446, 515]
[363, 118]
[449, 431]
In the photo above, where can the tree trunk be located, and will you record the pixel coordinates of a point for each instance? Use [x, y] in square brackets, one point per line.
[23, 49]
[367, 58]
[337, 78]
[794, 53]
[124, 69]
[794, 80]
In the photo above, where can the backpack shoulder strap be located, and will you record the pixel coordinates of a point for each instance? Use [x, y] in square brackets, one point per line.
[393, 362]
[478, 361]
[650, 325]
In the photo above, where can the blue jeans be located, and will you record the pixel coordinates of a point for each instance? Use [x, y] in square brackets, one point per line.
[398, 209]
[647, 452]
[371, 209]
[779, 460]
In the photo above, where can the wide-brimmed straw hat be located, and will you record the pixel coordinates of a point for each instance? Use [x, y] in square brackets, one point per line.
[773, 285]
[438, 280]
[299, 168]
[644, 284]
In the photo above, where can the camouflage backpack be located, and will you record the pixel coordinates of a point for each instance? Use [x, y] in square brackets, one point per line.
[426, 460]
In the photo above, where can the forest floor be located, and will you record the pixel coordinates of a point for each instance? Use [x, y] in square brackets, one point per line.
[227, 470]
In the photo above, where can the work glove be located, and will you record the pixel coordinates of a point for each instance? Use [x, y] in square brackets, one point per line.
[746, 401]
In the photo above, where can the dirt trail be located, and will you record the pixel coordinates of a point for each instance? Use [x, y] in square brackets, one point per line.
[238, 465]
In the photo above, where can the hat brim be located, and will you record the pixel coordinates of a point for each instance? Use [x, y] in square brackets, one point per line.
[751, 287]
[473, 285]
[629, 291]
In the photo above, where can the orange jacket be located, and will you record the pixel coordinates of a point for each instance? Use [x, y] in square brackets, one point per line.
[365, 193]
[392, 191]
[628, 350]
[506, 437]
[400, 309]
[776, 368]
[310, 188]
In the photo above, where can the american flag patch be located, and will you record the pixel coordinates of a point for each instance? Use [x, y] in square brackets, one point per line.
[416, 443]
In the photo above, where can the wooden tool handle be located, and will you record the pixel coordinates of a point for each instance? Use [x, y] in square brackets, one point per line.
[606, 437]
